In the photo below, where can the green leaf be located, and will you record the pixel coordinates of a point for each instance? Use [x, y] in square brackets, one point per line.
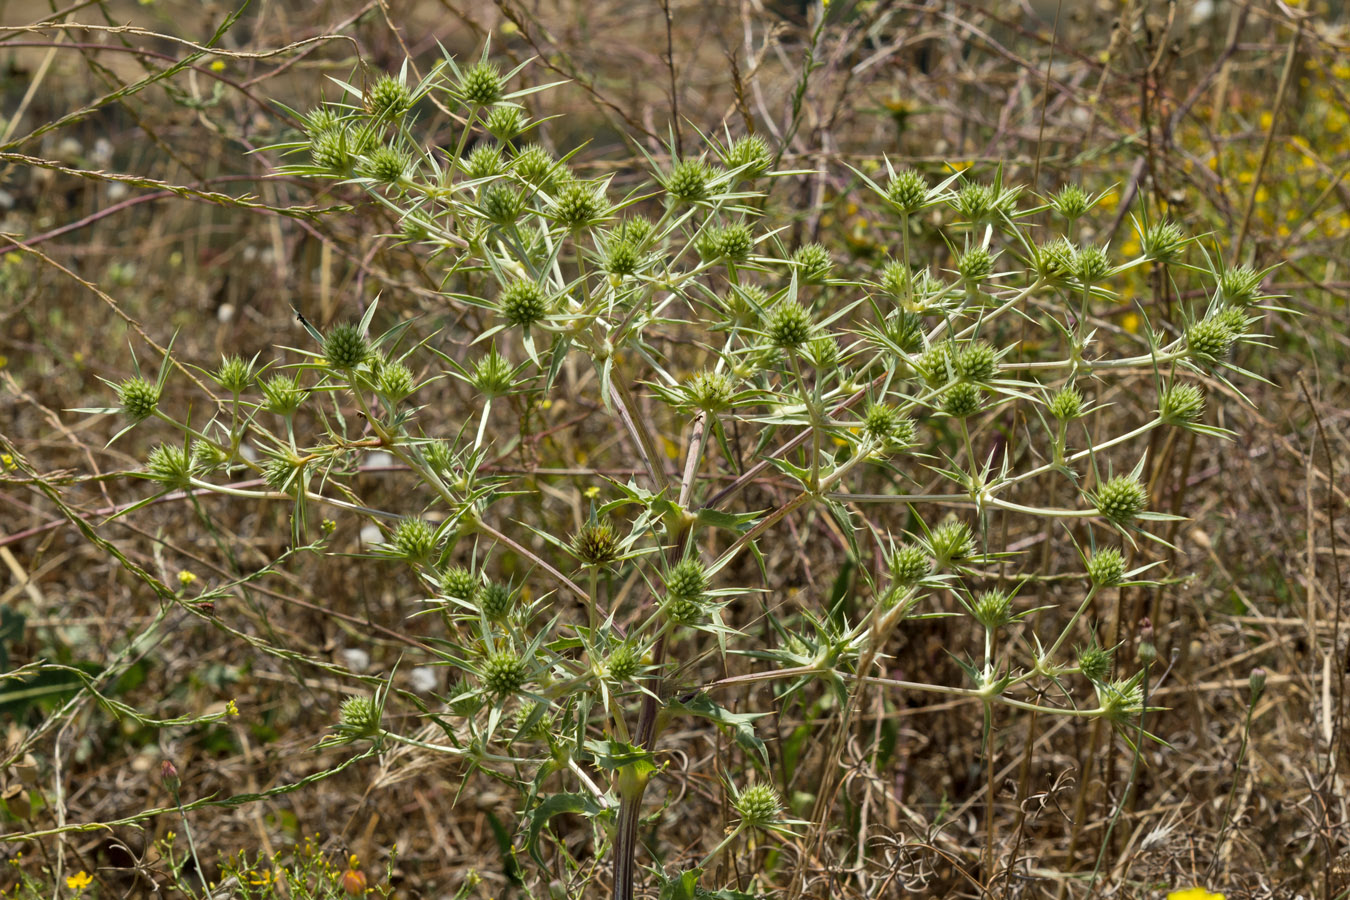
[702, 705]
[556, 805]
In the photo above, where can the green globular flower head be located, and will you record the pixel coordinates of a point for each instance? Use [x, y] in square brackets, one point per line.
[909, 564]
[907, 191]
[492, 375]
[501, 203]
[484, 161]
[596, 544]
[789, 325]
[1106, 568]
[1094, 663]
[413, 539]
[622, 258]
[895, 280]
[1233, 318]
[1163, 242]
[961, 400]
[813, 263]
[206, 456]
[481, 84]
[282, 475]
[359, 717]
[395, 381]
[460, 583]
[887, 424]
[759, 806]
[234, 375]
[496, 602]
[687, 181]
[1121, 701]
[1181, 403]
[822, 352]
[534, 165]
[992, 609]
[282, 394]
[1056, 261]
[331, 149]
[975, 265]
[504, 672]
[905, 330]
[976, 362]
[523, 303]
[623, 662]
[750, 154]
[169, 466]
[1092, 265]
[710, 390]
[1071, 202]
[345, 347]
[139, 398]
[1209, 341]
[319, 120]
[1121, 499]
[1240, 286]
[935, 364]
[687, 579]
[440, 456]
[732, 243]
[977, 202]
[578, 205]
[950, 542]
[504, 122]
[1067, 404]
[388, 98]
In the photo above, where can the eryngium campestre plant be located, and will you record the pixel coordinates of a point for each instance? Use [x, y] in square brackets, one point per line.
[698, 403]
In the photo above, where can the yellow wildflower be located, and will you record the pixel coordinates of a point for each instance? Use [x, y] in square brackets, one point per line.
[231, 709]
[1194, 893]
[79, 881]
[186, 578]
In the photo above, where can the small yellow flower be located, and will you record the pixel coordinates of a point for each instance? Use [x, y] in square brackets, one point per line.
[8, 462]
[1130, 322]
[79, 881]
[1194, 893]
[186, 578]
[231, 709]
[218, 65]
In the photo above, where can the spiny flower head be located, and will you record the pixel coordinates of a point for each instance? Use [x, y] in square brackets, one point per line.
[976, 362]
[895, 279]
[750, 154]
[1209, 341]
[234, 375]
[789, 325]
[413, 539]
[1092, 264]
[505, 121]
[1240, 286]
[282, 394]
[961, 400]
[909, 564]
[345, 347]
[732, 243]
[813, 263]
[523, 303]
[1067, 404]
[534, 165]
[905, 330]
[887, 424]
[992, 609]
[578, 205]
[1163, 242]
[1056, 261]
[907, 191]
[395, 381]
[501, 203]
[623, 662]
[484, 161]
[1181, 403]
[359, 717]
[759, 805]
[596, 544]
[460, 583]
[622, 258]
[935, 364]
[951, 541]
[710, 390]
[1106, 568]
[975, 265]
[1121, 499]
[1094, 663]
[388, 98]
[1071, 202]
[504, 672]
[687, 181]
[481, 84]
[496, 601]
[169, 465]
[492, 375]
[139, 398]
